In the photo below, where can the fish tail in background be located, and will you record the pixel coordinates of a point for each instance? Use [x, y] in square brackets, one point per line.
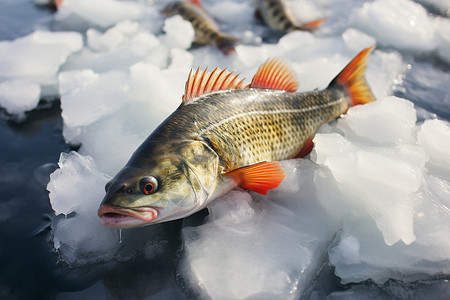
[313, 25]
[352, 79]
[226, 43]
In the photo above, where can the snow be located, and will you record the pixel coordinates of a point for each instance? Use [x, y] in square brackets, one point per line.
[372, 199]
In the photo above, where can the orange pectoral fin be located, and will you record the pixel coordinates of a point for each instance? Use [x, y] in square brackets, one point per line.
[260, 177]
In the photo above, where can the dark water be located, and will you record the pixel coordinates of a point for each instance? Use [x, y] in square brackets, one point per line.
[29, 269]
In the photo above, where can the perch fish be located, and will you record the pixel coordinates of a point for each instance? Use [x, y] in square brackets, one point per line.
[227, 134]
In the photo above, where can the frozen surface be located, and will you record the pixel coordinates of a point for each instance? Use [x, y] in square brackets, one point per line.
[393, 206]
[372, 199]
[271, 246]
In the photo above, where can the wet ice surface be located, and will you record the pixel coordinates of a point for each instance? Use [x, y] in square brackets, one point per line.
[372, 200]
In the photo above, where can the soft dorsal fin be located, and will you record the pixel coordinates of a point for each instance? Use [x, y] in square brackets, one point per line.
[196, 2]
[275, 74]
[202, 82]
[260, 177]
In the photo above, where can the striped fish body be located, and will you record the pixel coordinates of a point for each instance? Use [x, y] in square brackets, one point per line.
[225, 135]
[248, 126]
[277, 16]
[206, 29]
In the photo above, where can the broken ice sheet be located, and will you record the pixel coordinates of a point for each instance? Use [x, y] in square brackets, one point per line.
[253, 246]
[394, 209]
[37, 57]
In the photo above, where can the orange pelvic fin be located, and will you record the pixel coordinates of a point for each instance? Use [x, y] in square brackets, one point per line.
[313, 24]
[352, 79]
[307, 148]
[260, 177]
[202, 82]
[275, 74]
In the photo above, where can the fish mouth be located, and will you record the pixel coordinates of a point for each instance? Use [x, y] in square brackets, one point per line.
[119, 217]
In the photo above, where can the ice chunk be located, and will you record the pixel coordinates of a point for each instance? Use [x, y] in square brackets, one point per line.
[87, 96]
[382, 177]
[357, 40]
[37, 57]
[272, 246]
[115, 50]
[78, 186]
[394, 210]
[426, 257]
[442, 5]
[434, 137]
[104, 12]
[438, 289]
[387, 121]
[402, 24]
[76, 175]
[179, 32]
[18, 95]
[230, 12]
[443, 28]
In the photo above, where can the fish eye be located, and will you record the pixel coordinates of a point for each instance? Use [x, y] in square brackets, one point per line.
[148, 185]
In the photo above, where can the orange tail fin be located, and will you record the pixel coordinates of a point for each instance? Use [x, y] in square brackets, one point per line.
[352, 79]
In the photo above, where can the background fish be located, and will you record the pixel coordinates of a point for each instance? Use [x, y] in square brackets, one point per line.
[226, 135]
[279, 17]
[206, 29]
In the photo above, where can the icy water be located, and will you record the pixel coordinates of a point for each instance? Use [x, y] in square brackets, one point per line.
[148, 263]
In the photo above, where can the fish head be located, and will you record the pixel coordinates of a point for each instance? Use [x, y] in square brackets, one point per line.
[165, 187]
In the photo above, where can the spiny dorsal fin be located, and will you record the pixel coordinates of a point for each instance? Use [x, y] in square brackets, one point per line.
[203, 82]
[275, 74]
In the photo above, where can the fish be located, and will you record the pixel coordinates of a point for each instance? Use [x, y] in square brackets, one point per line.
[206, 29]
[277, 16]
[225, 135]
